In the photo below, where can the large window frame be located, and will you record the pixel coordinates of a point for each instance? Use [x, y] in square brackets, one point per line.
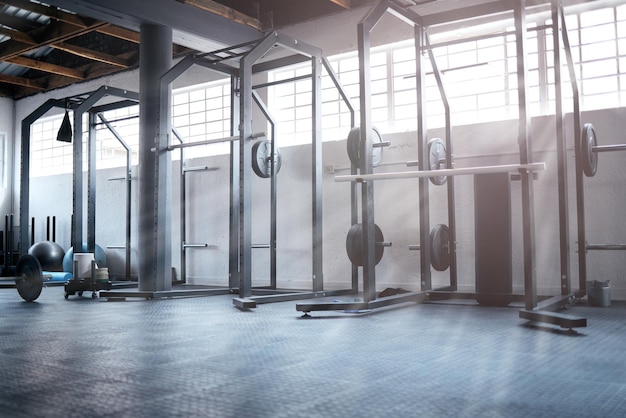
[479, 76]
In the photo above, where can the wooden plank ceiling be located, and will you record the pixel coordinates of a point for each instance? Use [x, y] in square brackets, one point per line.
[43, 47]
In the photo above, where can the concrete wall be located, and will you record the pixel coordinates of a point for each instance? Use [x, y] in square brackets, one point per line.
[397, 202]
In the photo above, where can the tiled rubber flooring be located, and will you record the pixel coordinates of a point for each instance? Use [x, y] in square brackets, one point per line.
[202, 357]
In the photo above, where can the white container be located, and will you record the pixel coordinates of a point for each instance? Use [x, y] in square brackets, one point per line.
[82, 265]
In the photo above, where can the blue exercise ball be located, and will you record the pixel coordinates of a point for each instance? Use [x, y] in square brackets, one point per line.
[49, 254]
[68, 260]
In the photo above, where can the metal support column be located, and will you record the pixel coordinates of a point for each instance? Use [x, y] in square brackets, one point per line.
[365, 161]
[154, 168]
[525, 147]
[235, 178]
[422, 156]
[561, 146]
[91, 184]
[580, 190]
[316, 154]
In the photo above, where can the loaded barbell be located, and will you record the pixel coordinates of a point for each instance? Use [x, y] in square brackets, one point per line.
[589, 149]
[436, 158]
[28, 278]
[439, 245]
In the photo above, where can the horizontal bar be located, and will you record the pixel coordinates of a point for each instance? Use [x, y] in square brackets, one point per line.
[260, 246]
[384, 244]
[414, 247]
[555, 318]
[194, 144]
[606, 246]
[116, 120]
[117, 178]
[606, 148]
[116, 247]
[418, 297]
[201, 168]
[195, 245]
[507, 168]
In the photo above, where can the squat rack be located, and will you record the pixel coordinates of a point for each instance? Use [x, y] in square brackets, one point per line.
[79, 104]
[537, 312]
[241, 62]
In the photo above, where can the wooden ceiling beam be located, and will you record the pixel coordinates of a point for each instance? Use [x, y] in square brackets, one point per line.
[59, 32]
[224, 11]
[23, 82]
[343, 3]
[18, 36]
[47, 67]
[91, 54]
[121, 33]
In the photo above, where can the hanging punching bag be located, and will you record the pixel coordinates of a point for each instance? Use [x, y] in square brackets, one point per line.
[65, 131]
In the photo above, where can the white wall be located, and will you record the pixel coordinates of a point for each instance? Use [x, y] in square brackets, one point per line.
[7, 117]
[396, 202]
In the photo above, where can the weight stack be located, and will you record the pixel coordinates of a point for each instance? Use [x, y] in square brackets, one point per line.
[493, 239]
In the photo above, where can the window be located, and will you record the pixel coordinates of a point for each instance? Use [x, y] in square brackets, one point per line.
[200, 113]
[47, 155]
[479, 77]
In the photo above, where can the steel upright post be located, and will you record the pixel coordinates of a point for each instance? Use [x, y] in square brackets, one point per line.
[525, 147]
[561, 146]
[422, 156]
[365, 160]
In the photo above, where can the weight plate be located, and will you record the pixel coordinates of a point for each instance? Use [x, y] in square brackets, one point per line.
[261, 158]
[440, 247]
[353, 146]
[589, 157]
[28, 278]
[354, 244]
[437, 159]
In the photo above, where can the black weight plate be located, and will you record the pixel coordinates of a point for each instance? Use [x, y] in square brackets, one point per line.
[354, 244]
[440, 247]
[437, 158]
[353, 146]
[589, 157]
[28, 278]
[261, 158]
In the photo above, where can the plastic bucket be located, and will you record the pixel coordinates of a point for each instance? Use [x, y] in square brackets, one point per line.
[82, 264]
[599, 292]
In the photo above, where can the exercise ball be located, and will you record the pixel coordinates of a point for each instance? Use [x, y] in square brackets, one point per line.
[68, 260]
[49, 254]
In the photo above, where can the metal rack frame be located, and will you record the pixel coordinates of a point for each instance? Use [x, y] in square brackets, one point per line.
[539, 312]
[79, 104]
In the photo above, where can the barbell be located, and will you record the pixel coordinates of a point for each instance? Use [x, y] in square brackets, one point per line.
[589, 149]
[28, 277]
[504, 168]
[436, 157]
[439, 245]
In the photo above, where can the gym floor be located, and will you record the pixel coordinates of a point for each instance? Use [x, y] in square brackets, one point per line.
[202, 357]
